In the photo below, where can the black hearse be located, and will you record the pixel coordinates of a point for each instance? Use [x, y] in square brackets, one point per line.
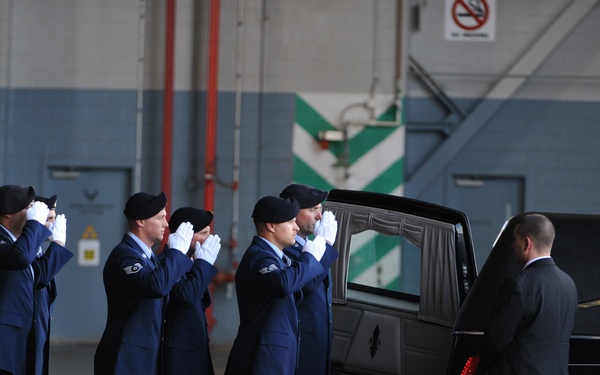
[407, 297]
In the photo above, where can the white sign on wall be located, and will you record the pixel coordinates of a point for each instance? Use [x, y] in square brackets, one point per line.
[89, 252]
[473, 20]
[89, 248]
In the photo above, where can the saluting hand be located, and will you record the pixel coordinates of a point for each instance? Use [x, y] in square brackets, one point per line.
[315, 247]
[38, 212]
[327, 227]
[182, 237]
[59, 230]
[209, 250]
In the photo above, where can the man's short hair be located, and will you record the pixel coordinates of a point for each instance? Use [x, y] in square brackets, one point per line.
[538, 227]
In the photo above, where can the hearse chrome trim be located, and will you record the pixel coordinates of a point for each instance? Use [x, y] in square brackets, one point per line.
[468, 333]
[585, 305]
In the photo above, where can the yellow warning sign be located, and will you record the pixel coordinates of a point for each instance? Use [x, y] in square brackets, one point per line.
[89, 254]
[89, 233]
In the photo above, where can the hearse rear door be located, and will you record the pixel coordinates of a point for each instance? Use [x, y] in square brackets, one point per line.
[404, 269]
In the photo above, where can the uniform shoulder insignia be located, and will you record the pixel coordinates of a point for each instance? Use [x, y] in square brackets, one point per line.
[271, 268]
[133, 269]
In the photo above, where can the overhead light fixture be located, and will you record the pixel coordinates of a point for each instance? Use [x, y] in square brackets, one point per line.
[331, 135]
[326, 136]
[65, 174]
[469, 182]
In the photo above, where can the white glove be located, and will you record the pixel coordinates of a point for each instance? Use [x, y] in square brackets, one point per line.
[59, 230]
[38, 212]
[182, 238]
[51, 227]
[209, 249]
[326, 227]
[315, 247]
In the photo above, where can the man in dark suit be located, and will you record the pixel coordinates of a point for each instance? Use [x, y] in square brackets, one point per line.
[45, 292]
[314, 309]
[22, 232]
[534, 314]
[266, 282]
[186, 349]
[137, 285]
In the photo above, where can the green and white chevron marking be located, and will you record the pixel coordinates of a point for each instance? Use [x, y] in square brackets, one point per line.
[373, 160]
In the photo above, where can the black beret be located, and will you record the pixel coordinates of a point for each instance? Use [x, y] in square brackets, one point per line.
[272, 209]
[307, 196]
[50, 202]
[200, 219]
[14, 198]
[142, 206]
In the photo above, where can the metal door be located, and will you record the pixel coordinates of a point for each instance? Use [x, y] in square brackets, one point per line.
[488, 202]
[92, 200]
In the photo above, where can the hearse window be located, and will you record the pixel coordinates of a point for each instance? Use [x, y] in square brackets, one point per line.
[386, 262]
[389, 253]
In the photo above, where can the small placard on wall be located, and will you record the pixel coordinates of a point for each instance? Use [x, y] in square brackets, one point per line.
[470, 20]
[89, 252]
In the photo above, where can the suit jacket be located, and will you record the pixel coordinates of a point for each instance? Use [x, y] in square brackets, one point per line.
[46, 267]
[267, 339]
[315, 314]
[16, 294]
[186, 348]
[532, 322]
[136, 292]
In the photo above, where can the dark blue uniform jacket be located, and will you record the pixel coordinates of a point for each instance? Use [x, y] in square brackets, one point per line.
[267, 339]
[137, 295]
[186, 348]
[315, 314]
[17, 285]
[54, 259]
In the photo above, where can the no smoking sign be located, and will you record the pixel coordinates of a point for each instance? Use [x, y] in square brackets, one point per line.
[473, 20]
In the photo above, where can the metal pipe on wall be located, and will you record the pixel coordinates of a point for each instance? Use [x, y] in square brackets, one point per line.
[6, 30]
[137, 172]
[211, 133]
[211, 105]
[235, 214]
[167, 159]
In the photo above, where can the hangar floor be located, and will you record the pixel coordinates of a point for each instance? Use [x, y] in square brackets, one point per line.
[78, 359]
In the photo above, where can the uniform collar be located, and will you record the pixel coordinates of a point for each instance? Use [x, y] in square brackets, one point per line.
[301, 241]
[12, 236]
[275, 248]
[147, 251]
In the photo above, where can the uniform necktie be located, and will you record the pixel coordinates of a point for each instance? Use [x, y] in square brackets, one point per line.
[286, 260]
[155, 261]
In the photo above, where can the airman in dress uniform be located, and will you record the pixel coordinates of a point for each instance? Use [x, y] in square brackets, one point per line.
[266, 283]
[22, 232]
[186, 349]
[315, 308]
[137, 285]
[45, 292]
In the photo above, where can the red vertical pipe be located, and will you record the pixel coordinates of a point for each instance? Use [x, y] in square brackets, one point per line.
[211, 106]
[167, 161]
[211, 125]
